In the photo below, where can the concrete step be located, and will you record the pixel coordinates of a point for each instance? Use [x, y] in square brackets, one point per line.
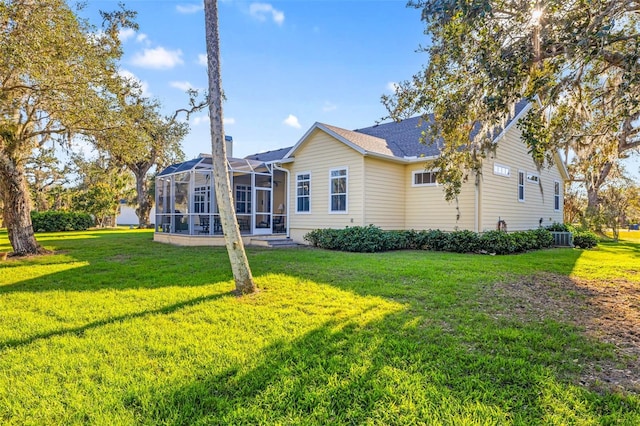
[274, 242]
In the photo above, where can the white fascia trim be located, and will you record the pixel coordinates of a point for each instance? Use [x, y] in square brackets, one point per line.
[341, 139]
[301, 140]
[512, 122]
[400, 159]
[328, 131]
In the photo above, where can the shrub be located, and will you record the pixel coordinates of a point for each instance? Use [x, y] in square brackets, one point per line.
[497, 242]
[558, 227]
[585, 239]
[56, 221]
[434, 239]
[543, 237]
[373, 239]
[463, 242]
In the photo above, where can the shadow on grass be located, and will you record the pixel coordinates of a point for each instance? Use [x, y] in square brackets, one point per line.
[399, 370]
[79, 331]
[117, 260]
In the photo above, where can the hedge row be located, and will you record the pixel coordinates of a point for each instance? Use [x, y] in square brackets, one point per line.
[582, 238]
[56, 221]
[371, 239]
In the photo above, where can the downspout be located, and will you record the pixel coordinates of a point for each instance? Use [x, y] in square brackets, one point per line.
[288, 203]
[476, 218]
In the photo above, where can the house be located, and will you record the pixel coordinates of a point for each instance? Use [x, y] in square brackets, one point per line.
[379, 175]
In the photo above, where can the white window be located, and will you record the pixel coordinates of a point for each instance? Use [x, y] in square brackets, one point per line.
[533, 177]
[556, 196]
[303, 192]
[427, 178]
[500, 170]
[243, 199]
[520, 185]
[338, 190]
[201, 199]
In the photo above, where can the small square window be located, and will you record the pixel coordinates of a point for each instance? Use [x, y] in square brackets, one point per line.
[425, 178]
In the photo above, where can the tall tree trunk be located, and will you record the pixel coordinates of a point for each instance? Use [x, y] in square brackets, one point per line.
[594, 183]
[17, 208]
[143, 200]
[233, 239]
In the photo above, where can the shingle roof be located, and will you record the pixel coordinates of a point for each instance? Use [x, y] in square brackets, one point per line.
[403, 137]
[366, 142]
[399, 139]
[277, 154]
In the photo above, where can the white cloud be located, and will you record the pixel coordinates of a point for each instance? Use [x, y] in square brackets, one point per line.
[142, 38]
[200, 119]
[126, 33]
[144, 86]
[158, 58]
[328, 106]
[202, 59]
[292, 121]
[204, 119]
[261, 12]
[392, 86]
[189, 8]
[182, 85]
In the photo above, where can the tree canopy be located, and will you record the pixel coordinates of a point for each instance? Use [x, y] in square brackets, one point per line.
[579, 59]
[58, 78]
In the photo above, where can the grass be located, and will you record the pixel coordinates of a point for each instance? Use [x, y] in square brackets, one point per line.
[117, 329]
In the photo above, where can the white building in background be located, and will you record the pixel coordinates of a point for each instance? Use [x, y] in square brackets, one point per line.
[128, 216]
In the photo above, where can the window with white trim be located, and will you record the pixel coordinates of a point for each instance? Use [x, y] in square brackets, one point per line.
[303, 193]
[201, 199]
[556, 196]
[243, 199]
[500, 170]
[520, 185]
[533, 177]
[426, 178]
[338, 190]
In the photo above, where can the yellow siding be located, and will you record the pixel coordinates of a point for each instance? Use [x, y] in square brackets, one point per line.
[499, 197]
[384, 194]
[319, 154]
[426, 207]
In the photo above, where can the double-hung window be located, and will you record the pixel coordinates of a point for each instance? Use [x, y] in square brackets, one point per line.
[338, 190]
[521, 177]
[303, 193]
[201, 199]
[556, 195]
[243, 199]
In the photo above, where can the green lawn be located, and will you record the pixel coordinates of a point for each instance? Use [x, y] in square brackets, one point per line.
[117, 329]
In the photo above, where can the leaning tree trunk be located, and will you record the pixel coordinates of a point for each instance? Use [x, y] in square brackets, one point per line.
[17, 208]
[233, 239]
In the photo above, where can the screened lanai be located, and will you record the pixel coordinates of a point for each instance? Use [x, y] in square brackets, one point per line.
[186, 202]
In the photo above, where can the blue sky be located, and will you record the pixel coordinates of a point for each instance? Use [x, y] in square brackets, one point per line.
[285, 64]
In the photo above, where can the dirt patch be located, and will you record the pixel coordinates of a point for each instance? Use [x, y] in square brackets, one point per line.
[608, 311]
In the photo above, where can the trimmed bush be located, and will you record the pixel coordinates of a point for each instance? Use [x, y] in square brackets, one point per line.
[559, 227]
[497, 242]
[585, 239]
[371, 239]
[56, 221]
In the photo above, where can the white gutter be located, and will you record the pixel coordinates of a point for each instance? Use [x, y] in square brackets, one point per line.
[476, 218]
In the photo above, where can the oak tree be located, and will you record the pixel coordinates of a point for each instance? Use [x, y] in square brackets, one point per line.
[57, 76]
[487, 55]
